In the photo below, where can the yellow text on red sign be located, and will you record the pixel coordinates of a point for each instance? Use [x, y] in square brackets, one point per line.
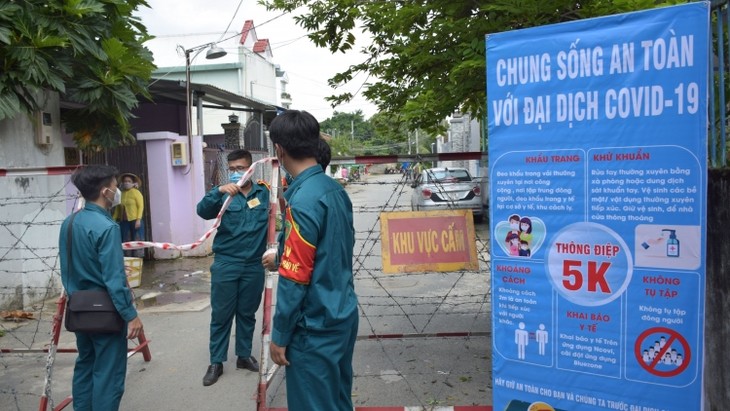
[422, 241]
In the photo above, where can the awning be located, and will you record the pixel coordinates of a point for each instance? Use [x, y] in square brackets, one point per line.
[174, 90]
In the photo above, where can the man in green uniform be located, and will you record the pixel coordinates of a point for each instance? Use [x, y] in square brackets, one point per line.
[316, 319]
[97, 263]
[237, 276]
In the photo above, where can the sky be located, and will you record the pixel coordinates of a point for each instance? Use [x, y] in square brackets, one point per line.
[191, 23]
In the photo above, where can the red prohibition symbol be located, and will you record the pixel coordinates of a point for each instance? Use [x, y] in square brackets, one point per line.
[672, 337]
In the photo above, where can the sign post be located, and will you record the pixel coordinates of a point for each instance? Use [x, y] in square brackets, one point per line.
[598, 163]
[419, 241]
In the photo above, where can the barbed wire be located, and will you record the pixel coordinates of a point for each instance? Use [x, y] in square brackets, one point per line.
[407, 307]
[455, 297]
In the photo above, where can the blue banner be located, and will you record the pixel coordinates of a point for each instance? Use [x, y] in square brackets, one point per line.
[597, 164]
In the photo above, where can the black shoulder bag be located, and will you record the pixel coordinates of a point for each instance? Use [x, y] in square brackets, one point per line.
[89, 311]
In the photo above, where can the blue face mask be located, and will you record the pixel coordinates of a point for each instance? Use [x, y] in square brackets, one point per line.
[235, 177]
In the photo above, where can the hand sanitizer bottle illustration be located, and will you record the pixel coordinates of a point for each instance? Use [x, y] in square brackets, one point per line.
[672, 244]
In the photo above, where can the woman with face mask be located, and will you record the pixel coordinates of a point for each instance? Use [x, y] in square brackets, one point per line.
[129, 214]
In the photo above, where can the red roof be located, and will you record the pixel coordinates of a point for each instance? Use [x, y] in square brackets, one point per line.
[261, 46]
[247, 26]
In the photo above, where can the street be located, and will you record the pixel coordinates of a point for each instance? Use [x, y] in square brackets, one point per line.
[416, 369]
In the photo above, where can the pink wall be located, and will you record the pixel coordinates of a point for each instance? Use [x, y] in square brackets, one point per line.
[174, 194]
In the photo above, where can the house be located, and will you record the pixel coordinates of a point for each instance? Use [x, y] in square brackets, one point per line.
[35, 198]
[464, 135]
[37, 159]
[247, 69]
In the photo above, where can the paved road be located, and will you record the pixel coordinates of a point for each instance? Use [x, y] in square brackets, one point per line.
[415, 371]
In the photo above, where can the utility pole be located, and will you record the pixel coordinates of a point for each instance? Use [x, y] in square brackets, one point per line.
[416, 141]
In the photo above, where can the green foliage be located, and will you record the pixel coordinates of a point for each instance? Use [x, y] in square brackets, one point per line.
[90, 50]
[343, 123]
[381, 134]
[720, 83]
[428, 57]
[391, 134]
[349, 132]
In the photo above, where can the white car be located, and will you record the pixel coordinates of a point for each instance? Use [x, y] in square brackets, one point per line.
[447, 189]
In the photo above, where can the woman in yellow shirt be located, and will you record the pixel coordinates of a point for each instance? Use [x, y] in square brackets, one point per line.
[131, 209]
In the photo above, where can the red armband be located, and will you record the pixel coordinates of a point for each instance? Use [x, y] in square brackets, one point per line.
[297, 261]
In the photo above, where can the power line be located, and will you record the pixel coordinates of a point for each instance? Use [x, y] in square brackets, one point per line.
[287, 42]
[232, 18]
[254, 27]
[235, 34]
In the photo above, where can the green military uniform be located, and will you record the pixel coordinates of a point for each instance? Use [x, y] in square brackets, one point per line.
[316, 315]
[97, 262]
[237, 276]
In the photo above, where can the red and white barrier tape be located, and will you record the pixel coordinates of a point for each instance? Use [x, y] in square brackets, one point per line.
[135, 245]
[413, 158]
[265, 373]
[37, 171]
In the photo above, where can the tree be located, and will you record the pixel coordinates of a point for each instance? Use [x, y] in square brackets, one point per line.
[349, 131]
[391, 134]
[353, 125]
[90, 51]
[428, 57]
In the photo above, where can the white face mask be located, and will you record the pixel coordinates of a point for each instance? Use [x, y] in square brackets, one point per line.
[117, 197]
[282, 170]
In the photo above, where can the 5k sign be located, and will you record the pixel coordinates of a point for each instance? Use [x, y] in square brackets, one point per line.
[597, 149]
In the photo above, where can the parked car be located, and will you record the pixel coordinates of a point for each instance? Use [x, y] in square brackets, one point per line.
[447, 189]
[483, 182]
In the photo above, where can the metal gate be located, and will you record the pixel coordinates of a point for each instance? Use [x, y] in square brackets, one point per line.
[128, 159]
